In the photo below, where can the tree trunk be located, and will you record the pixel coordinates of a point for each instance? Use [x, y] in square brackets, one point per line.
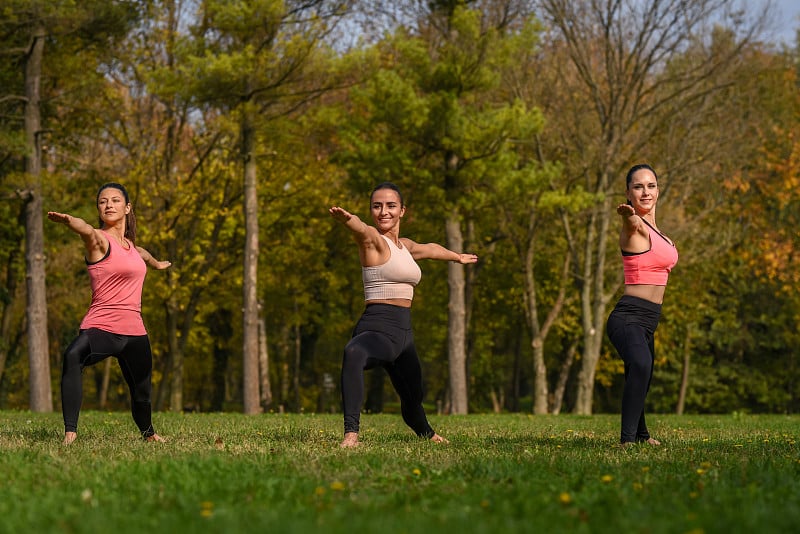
[250, 377]
[456, 331]
[497, 400]
[540, 393]
[102, 397]
[593, 303]
[41, 398]
[176, 403]
[263, 364]
[687, 352]
[539, 331]
[563, 376]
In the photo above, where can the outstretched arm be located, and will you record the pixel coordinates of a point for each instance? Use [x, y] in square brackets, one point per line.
[630, 221]
[151, 261]
[352, 222]
[435, 251]
[92, 238]
[633, 236]
[371, 247]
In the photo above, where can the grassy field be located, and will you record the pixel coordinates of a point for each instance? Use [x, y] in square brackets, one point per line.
[500, 473]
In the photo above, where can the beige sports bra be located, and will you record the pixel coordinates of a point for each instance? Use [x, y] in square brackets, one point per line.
[395, 279]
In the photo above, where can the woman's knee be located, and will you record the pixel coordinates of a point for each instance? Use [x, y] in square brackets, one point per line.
[639, 365]
[72, 358]
[355, 356]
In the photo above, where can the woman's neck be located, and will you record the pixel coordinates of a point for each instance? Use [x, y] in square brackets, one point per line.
[118, 233]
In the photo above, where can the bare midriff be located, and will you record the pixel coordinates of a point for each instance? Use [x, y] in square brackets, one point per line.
[647, 292]
[404, 303]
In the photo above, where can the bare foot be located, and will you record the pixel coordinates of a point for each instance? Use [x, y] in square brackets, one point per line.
[436, 438]
[652, 441]
[350, 440]
[154, 437]
[69, 437]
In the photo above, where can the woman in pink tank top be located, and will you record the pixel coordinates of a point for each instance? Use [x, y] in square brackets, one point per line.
[113, 324]
[648, 258]
[383, 335]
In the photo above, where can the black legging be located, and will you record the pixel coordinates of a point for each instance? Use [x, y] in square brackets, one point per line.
[135, 360]
[383, 337]
[631, 328]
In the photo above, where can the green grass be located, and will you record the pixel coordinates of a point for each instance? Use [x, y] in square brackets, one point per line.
[500, 473]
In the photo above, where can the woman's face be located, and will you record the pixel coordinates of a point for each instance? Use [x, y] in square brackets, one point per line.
[643, 191]
[386, 209]
[111, 205]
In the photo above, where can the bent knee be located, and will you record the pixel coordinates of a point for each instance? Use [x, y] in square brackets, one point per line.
[639, 366]
[354, 356]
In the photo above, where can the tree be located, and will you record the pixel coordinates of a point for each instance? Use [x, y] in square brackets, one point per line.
[432, 113]
[253, 62]
[30, 23]
[615, 60]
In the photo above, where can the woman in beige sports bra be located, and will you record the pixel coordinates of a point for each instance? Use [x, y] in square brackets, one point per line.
[383, 335]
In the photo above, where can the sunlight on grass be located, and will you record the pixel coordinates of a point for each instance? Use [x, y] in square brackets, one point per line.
[517, 473]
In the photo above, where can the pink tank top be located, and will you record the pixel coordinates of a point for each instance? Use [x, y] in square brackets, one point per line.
[395, 279]
[653, 266]
[117, 282]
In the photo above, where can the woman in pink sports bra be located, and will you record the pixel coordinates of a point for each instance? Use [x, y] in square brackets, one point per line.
[648, 256]
[113, 324]
[383, 335]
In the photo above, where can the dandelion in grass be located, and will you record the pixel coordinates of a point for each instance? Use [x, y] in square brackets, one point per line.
[319, 491]
[606, 478]
[701, 471]
[206, 509]
[645, 469]
[416, 472]
[637, 486]
[337, 486]
[564, 498]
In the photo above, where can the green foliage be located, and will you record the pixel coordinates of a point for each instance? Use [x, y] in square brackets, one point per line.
[156, 100]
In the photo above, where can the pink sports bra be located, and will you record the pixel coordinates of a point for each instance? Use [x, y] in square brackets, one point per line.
[651, 267]
[395, 279]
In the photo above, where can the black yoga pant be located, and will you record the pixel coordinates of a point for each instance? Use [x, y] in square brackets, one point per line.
[631, 328]
[135, 360]
[383, 337]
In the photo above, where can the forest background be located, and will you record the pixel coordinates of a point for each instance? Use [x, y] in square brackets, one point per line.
[509, 126]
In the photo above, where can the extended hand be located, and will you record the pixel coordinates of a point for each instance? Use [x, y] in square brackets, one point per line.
[58, 217]
[340, 214]
[626, 210]
[467, 258]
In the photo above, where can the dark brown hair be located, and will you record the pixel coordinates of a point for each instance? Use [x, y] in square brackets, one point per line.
[388, 185]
